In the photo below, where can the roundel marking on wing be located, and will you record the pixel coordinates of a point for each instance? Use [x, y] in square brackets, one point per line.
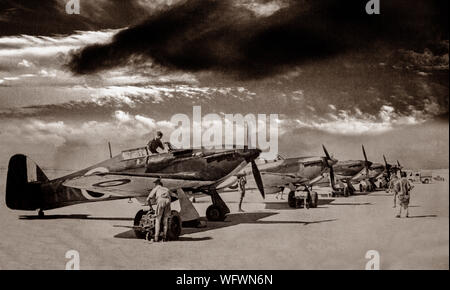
[111, 183]
[95, 195]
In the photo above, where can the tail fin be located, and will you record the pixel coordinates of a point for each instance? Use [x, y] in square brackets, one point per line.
[23, 183]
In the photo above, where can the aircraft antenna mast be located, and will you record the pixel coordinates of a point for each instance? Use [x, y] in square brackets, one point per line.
[110, 152]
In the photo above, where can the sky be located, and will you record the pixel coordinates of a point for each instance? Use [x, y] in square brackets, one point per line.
[120, 70]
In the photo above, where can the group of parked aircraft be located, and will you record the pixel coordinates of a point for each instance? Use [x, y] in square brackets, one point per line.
[131, 174]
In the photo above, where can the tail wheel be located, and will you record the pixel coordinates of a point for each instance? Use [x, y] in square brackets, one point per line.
[291, 199]
[174, 226]
[215, 213]
[137, 222]
[314, 199]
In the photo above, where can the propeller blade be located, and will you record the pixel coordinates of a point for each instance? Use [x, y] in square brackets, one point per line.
[326, 153]
[399, 167]
[387, 168]
[367, 164]
[258, 179]
[364, 152]
[332, 178]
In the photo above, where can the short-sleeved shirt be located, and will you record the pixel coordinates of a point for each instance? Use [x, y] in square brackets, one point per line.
[402, 186]
[154, 144]
[159, 192]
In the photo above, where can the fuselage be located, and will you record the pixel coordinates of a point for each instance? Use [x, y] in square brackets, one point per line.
[212, 165]
[348, 168]
[279, 173]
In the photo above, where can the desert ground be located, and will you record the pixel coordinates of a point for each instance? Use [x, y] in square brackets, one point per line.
[269, 235]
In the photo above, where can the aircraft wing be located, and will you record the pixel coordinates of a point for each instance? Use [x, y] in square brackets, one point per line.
[128, 185]
[273, 181]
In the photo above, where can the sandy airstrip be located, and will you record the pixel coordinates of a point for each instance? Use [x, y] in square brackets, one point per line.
[269, 235]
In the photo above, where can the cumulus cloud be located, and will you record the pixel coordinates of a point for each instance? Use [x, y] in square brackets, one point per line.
[425, 61]
[123, 127]
[357, 123]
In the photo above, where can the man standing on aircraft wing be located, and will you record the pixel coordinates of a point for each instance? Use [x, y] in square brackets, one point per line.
[163, 200]
[156, 143]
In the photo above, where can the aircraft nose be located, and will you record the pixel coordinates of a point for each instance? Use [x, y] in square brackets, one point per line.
[333, 161]
[251, 154]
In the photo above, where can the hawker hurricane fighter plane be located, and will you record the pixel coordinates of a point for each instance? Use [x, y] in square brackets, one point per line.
[296, 172]
[382, 173]
[348, 172]
[131, 174]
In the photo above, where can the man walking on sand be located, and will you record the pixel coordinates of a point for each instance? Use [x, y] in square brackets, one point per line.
[402, 189]
[391, 185]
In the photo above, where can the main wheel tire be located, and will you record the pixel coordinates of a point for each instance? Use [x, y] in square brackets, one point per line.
[361, 188]
[174, 226]
[137, 221]
[291, 199]
[215, 213]
[314, 199]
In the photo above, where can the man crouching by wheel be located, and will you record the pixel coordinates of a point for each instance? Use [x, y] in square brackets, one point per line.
[162, 195]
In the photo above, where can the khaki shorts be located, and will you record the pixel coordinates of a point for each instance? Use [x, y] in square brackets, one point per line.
[403, 199]
[163, 207]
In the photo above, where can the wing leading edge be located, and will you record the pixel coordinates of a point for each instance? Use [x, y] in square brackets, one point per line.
[127, 185]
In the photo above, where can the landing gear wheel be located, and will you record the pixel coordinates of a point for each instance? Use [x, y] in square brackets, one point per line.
[174, 226]
[291, 200]
[215, 213]
[137, 221]
[314, 199]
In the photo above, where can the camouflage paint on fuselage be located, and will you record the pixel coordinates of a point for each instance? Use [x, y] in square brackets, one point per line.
[193, 164]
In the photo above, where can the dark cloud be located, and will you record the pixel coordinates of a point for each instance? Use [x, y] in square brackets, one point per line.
[48, 17]
[217, 35]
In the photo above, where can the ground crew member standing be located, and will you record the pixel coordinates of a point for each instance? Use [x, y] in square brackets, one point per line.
[391, 185]
[156, 143]
[241, 182]
[402, 189]
[163, 200]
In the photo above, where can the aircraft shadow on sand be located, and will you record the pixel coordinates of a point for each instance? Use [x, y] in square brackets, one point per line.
[231, 220]
[423, 216]
[353, 203]
[73, 216]
[283, 205]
